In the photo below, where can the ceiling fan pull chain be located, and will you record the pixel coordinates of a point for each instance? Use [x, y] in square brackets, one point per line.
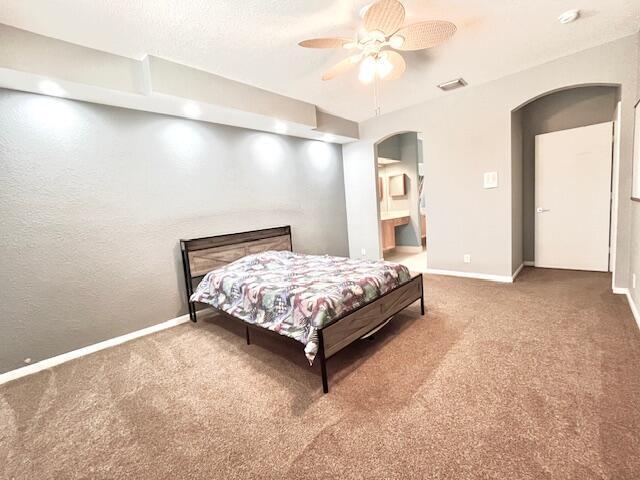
[376, 96]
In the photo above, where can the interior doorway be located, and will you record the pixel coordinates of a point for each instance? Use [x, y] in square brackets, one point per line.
[562, 150]
[402, 200]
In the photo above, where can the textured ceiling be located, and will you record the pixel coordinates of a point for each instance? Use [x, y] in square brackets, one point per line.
[255, 41]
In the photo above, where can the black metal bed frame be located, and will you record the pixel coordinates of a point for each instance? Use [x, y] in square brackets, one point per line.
[189, 280]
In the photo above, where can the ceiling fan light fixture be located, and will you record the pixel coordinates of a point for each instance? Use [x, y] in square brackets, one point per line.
[367, 70]
[376, 36]
[396, 41]
[372, 66]
[383, 66]
[379, 38]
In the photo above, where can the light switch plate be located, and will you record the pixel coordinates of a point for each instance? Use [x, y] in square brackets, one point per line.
[491, 180]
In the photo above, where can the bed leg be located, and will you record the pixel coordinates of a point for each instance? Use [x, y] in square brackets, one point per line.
[323, 362]
[248, 337]
[421, 295]
[192, 312]
[323, 368]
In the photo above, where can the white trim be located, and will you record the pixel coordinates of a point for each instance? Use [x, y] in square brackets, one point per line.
[517, 272]
[65, 357]
[480, 276]
[632, 303]
[409, 249]
[529, 263]
[634, 308]
[615, 174]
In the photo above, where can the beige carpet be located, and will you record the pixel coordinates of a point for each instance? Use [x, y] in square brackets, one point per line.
[535, 380]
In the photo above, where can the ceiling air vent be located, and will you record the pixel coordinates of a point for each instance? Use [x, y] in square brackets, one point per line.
[453, 84]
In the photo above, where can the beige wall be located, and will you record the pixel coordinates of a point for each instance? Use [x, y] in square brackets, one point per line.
[468, 133]
[94, 199]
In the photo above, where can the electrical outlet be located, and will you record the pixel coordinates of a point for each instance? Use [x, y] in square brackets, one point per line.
[363, 251]
[633, 280]
[467, 258]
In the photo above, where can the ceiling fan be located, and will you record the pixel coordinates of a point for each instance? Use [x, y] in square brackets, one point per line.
[383, 35]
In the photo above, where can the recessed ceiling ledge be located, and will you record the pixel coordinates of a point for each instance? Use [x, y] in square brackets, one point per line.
[158, 85]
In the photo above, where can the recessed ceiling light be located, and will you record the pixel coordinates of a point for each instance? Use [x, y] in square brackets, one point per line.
[280, 127]
[191, 110]
[569, 16]
[51, 88]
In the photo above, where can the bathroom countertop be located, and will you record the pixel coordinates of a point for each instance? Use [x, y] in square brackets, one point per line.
[394, 214]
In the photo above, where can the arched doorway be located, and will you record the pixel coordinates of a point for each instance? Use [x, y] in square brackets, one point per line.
[552, 115]
[401, 197]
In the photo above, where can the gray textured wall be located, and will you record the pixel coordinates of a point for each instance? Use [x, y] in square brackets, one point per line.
[94, 199]
[562, 110]
[390, 148]
[516, 191]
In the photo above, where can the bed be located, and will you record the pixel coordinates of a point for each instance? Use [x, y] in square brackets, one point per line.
[324, 302]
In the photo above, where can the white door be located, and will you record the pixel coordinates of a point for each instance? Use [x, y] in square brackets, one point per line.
[573, 198]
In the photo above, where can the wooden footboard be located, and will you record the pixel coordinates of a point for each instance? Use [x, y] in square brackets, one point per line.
[346, 330]
[342, 332]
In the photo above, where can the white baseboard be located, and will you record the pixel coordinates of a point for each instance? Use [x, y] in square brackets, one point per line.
[634, 308]
[409, 249]
[529, 263]
[65, 357]
[517, 272]
[480, 276]
[632, 303]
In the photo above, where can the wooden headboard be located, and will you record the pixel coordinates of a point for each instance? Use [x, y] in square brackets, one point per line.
[201, 255]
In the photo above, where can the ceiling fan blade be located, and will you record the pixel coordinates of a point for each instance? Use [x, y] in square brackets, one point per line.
[384, 15]
[425, 34]
[335, 42]
[399, 65]
[341, 67]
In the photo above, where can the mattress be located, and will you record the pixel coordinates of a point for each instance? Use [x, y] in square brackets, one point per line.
[296, 294]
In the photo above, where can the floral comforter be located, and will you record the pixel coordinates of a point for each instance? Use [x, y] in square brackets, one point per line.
[295, 294]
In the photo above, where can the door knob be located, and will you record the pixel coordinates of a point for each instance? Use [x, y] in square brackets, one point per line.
[541, 210]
